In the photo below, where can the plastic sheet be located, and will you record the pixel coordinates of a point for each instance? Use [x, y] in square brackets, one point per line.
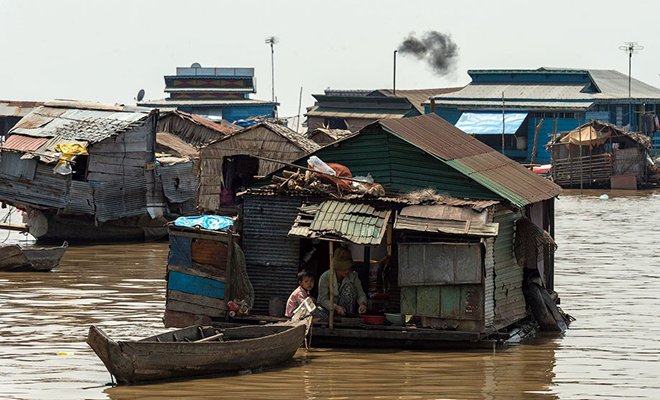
[210, 222]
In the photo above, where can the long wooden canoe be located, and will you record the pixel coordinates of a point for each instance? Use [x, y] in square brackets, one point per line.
[16, 258]
[197, 350]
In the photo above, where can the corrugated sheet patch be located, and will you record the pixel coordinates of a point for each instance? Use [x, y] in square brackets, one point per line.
[23, 143]
[336, 220]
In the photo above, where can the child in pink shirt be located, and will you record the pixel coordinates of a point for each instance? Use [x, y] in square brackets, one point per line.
[305, 284]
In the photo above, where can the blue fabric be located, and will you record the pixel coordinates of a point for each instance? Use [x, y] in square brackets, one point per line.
[180, 252]
[490, 123]
[210, 222]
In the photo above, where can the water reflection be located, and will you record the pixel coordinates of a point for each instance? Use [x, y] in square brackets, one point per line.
[607, 274]
[359, 374]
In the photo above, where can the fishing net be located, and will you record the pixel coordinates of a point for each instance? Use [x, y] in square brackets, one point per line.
[532, 243]
[241, 287]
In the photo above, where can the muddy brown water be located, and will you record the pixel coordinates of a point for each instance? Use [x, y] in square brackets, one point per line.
[608, 275]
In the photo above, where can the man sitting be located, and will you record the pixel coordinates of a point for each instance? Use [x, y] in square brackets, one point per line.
[347, 290]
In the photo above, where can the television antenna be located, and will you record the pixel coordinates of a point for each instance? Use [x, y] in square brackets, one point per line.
[630, 48]
[272, 41]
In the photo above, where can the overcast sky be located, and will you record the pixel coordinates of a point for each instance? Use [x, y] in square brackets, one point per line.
[107, 50]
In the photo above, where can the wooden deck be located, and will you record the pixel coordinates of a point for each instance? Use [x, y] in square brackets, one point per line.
[384, 336]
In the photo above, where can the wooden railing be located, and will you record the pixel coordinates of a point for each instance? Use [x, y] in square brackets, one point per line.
[590, 170]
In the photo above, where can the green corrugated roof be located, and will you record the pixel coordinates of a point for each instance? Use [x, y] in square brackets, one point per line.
[337, 220]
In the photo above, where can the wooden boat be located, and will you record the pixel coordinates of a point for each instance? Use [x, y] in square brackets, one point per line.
[16, 258]
[198, 350]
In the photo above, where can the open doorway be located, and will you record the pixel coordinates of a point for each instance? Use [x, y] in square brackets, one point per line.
[238, 171]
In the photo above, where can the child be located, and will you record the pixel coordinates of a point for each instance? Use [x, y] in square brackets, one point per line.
[305, 284]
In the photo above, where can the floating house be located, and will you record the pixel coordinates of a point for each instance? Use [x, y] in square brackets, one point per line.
[214, 93]
[84, 171]
[354, 109]
[598, 154]
[233, 162]
[518, 111]
[440, 241]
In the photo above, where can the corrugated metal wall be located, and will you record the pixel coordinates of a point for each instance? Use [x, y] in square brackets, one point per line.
[81, 198]
[271, 256]
[118, 199]
[179, 182]
[46, 189]
[12, 165]
[401, 167]
[509, 298]
[489, 283]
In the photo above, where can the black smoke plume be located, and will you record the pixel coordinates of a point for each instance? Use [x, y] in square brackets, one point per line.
[435, 48]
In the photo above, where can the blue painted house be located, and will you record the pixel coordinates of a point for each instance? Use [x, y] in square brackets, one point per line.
[504, 108]
[214, 93]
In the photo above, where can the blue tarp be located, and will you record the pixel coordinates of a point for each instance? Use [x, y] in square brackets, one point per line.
[180, 253]
[490, 123]
[210, 222]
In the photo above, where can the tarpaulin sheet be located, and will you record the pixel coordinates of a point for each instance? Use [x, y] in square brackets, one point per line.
[490, 123]
[210, 222]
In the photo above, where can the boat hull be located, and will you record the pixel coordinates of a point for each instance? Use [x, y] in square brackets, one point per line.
[150, 360]
[15, 258]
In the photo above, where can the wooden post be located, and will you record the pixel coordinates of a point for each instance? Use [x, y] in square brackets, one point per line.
[536, 140]
[581, 167]
[332, 286]
[228, 272]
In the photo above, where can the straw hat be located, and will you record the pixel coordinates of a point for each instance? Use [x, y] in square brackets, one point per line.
[342, 259]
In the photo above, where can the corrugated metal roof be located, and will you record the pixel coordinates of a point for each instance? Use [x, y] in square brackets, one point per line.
[23, 143]
[336, 220]
[182, 103]
[452, 227]
[9, 108]
[91, 125]
[515, 105]
[418, 96]
[473, 158]
[317, 111]
[487, 91]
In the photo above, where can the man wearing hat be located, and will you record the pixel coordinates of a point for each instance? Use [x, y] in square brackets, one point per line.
[348, 293]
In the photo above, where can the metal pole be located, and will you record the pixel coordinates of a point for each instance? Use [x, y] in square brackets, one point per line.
[272, 67]
[630, 106]
[299, 106]
[503, 123]
[580, 146]
[394, 78]
[332, 286]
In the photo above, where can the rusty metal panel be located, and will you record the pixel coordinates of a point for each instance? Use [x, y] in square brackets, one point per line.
[439, 263]
[23, 143]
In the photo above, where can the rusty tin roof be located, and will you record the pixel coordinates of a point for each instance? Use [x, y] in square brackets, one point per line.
[473, 158]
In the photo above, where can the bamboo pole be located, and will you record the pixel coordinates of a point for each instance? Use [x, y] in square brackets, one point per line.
[332, 286]
[536, 140]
